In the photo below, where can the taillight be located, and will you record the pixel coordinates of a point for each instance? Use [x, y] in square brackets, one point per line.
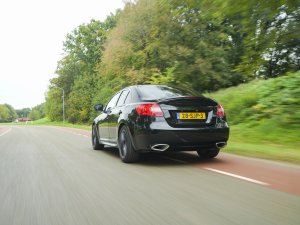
[220, 111]
[149, 109]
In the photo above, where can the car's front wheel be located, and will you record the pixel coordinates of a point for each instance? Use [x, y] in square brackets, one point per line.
[209, 153]
[95, 140]
[126, 149]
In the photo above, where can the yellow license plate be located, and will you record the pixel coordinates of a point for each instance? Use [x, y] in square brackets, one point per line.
[191, 116]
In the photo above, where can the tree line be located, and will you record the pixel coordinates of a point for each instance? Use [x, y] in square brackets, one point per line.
[197, 44]
[9, 114]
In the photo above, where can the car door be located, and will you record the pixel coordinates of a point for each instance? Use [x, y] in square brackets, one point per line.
[105, 118]
[115, 115]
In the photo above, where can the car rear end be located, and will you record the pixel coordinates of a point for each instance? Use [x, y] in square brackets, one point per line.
[177, 121]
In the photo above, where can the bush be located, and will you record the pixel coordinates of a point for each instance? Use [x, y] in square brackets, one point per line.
[263, 99]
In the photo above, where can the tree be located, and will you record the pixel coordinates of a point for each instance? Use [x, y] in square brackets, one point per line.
[153, 37]
[82, 52]
[37, 112]
[7, 113]
[271, 35]
[80, 99]
[4, 113]
[23, 112]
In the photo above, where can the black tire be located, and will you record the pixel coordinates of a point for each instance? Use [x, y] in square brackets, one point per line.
[126, 149]
[209, 153]
[95, 140]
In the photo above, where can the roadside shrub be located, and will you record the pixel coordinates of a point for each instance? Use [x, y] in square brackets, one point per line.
[263, 99]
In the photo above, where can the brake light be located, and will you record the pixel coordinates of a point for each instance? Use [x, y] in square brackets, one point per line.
[220, 111]
[149, 109]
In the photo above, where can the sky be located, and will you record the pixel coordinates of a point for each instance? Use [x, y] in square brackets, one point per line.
[31, 43]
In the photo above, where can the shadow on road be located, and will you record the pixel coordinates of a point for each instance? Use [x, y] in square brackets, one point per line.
[177, 158]
[170, 158]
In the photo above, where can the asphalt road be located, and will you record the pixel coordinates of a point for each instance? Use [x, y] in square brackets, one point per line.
[51, 175]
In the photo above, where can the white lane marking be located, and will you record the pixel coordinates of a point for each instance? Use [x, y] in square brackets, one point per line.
[5, 132]
[238, 176]
[175, 160]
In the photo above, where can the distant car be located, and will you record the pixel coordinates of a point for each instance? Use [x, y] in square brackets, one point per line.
[157, 118]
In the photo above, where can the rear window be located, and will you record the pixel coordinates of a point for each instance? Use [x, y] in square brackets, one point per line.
[152, 92]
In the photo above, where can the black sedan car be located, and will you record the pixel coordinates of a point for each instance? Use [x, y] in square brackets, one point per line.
[157, 118]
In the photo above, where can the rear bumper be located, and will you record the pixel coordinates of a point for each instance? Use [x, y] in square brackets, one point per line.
[179, 139]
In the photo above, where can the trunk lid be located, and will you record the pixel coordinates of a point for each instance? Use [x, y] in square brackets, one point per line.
[189, 111]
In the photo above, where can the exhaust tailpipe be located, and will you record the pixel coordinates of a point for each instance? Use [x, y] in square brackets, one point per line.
[221, 144]
[160, 147]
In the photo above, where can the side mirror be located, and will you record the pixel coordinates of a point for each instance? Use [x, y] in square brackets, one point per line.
[98, 107]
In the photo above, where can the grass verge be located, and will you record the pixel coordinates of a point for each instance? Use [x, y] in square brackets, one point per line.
[256, 143]
[47, 122]
[264, 118]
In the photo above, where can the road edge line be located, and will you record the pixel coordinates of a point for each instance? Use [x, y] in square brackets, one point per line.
[5, 132]
[238, 176]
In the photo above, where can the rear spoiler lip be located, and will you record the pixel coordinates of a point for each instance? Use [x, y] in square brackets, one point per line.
[165, 100]
[160, 100]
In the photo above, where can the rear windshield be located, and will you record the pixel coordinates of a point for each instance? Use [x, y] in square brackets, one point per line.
[152, 92]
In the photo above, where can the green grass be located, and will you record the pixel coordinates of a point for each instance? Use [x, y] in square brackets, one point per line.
[264, 118]
[278, 144]
[47, 122]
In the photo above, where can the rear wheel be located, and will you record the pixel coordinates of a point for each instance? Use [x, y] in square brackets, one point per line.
[209, 153]
[95, 140]
[126, 149]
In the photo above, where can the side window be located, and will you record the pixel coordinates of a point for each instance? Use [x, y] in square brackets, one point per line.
[128, 98]
[123, 97]
[112, 103]
[133, 96]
